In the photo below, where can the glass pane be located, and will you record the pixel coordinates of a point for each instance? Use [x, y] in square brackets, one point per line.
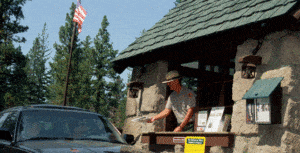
[216, 69]
[2, 118]
[207, 67]
[10, 122]
[231, 71]
[190, 83]
[64, 124]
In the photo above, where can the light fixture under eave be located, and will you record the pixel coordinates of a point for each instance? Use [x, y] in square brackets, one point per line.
[249, 65]
[134, 88]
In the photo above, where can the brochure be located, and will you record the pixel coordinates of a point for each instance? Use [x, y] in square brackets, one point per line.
[224, 123]
[202, 120]
[214, 119]
[263, 110]
[141, 119]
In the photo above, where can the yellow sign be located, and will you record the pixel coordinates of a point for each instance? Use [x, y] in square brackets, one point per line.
[194, 144]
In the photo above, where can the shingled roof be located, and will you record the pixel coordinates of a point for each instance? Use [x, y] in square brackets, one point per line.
[197, 18]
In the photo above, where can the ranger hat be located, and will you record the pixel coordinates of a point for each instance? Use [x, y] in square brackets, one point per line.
[171, 76]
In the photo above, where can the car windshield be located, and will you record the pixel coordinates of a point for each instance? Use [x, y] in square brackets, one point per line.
[62, 124]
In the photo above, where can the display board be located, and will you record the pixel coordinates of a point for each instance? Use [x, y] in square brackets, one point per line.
[263, 112]
[202, 120]
[214, 120]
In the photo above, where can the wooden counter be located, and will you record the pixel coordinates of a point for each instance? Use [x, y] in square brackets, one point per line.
[224, 139]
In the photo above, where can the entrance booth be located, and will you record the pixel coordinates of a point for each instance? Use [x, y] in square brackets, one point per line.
[211, 80]
[211, 44]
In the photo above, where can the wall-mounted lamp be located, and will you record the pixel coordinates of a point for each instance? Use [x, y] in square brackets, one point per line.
[134, 88]
[249, 65]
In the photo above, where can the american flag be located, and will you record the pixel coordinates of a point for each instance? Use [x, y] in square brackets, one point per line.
[79, 15]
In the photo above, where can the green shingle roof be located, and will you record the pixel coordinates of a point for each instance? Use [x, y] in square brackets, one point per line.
[196, 18]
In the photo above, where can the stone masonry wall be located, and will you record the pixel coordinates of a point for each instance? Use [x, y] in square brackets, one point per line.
[152, 99]
[280, 54]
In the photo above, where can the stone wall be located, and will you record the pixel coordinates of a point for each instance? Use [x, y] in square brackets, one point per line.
[280, 54]
[152, 98]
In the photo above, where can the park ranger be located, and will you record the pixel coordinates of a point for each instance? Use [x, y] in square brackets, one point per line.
[181, 101]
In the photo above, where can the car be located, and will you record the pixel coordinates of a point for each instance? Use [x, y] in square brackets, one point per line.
[44, 128]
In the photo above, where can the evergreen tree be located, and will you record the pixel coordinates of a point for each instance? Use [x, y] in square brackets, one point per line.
[10, 15]
[177, 2]
[121, 112]
[102, 56]
[141, 33]
[12, 62]
[36, 70]
[59, 66]
[115, 96]
[13, 79]
[85, 73]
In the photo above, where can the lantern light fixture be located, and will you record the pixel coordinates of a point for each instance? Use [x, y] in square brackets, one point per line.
[249, 65]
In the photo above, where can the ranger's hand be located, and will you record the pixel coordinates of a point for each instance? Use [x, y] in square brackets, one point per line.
[178, 129]
[151, 120]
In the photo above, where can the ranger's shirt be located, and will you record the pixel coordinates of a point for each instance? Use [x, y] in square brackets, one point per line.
[180, 103]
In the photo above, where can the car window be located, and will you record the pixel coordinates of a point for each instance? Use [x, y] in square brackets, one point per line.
[9, 121]
[3, 116]
[63, 124]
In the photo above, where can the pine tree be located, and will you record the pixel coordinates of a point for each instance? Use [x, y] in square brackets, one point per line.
[36, 70]
[85, 73]
[10, 15]
[59, 66]
[121, 112]
[177, 2]
[102, 56]
[13, 78]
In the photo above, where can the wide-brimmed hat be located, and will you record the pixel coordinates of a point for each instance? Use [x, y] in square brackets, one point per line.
[171, 76]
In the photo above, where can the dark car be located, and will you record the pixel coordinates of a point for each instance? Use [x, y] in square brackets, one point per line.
[59, 129]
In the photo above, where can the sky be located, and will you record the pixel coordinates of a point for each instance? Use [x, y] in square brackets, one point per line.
[127, 18]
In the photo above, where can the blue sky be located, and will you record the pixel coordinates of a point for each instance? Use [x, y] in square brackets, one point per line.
[127, 19]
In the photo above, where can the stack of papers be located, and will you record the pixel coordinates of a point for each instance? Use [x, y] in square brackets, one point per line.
[141, 119]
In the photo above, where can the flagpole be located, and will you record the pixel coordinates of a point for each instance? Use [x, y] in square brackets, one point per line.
[69, 66]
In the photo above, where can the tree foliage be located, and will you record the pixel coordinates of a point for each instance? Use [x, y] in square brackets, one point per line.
[93, 84]
[177, 2]
[85, 73]
[13, 78]
[102, 55]
[10, 15]
[119, 120]
[38, 78]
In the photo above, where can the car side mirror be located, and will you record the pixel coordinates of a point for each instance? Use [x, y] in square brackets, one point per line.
[129, 138]
[5, 134]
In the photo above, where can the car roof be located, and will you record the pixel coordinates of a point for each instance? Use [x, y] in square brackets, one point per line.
[48, 107]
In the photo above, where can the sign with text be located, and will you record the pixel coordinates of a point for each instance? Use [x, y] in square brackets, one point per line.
[263, 113]
[194, 144]
[178, 139]
[214, 119]
[202, 119]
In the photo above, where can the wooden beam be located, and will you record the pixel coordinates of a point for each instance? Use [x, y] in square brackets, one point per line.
[202, 74]
[224, 139]
[296, 14]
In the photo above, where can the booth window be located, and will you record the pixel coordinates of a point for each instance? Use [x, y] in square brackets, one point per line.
[212, 85]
